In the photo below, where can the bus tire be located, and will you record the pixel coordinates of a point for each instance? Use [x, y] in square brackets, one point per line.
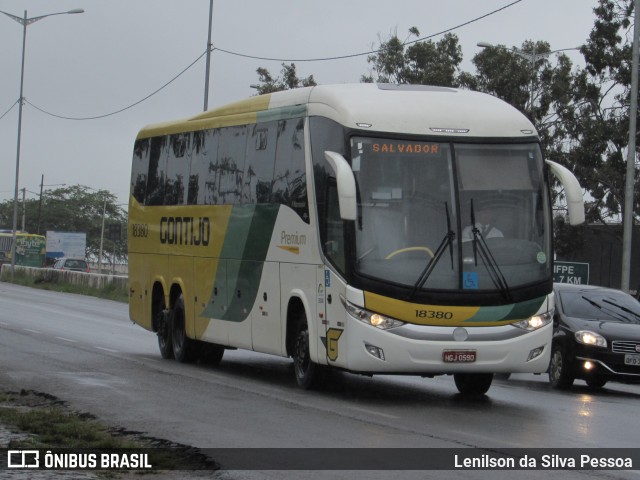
[210, 353]
[561, 374]
[165, 342]
[473, 383]
[306, 372]
[184, 349]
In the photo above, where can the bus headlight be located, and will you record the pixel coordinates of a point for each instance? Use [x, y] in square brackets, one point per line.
[374, 319]
[592, 339]
[535, 322]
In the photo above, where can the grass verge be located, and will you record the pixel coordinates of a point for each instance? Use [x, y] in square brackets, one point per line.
[46, 282]
[37, 420]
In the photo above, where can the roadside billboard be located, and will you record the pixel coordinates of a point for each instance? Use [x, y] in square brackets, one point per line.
[66, 244]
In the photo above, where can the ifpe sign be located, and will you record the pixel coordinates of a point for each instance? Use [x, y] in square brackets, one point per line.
[571, 272]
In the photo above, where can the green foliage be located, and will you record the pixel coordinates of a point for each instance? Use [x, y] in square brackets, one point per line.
[287, 80]
[73, 209]
[417, 62]
[599, 124]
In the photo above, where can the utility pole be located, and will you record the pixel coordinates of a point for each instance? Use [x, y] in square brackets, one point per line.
[631, 159]
[208, 69]
[24, 208]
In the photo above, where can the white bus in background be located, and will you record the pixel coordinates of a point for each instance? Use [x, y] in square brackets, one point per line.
[375, 229]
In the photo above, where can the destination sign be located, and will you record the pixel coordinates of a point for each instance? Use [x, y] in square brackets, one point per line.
[418, 148]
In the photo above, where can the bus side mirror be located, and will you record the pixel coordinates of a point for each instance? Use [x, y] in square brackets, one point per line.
[572, 190]
[346, 183]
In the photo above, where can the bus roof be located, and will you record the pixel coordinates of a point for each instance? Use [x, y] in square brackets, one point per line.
[412, 109]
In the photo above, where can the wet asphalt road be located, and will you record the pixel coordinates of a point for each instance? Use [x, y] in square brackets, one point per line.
[87, 352]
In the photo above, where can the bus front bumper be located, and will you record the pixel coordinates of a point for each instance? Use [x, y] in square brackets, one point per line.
[440, 350]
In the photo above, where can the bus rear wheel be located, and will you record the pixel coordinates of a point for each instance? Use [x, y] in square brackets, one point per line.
[162, 322]
[184, 349]
[165, 342]
[473, 383]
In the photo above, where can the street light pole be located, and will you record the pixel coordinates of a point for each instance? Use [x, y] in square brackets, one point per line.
[25, 22]
[627, 221]
[208, 68]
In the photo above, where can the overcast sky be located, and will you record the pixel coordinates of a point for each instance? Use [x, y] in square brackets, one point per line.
[120, 51]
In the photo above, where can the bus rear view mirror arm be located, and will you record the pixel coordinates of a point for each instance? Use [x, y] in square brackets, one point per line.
[573, 192]
[346, 185]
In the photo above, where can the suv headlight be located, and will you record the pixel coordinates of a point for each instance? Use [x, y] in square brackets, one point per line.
[535, 322]
[592, 339]
[374, 319]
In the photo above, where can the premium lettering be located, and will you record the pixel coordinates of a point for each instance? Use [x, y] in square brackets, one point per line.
[185, 231]
[292, 239]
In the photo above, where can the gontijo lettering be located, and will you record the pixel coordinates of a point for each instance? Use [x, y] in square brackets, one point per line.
[185, 231]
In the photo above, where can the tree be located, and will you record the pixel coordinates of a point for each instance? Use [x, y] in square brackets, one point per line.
[73, 209]
[417, 62]
[598, 130]
[287, 80]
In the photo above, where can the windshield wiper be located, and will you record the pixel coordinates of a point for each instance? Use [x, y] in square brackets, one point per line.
[481, 247]
[447, 241]
[624, 309]
[610, 312]
[592, 302]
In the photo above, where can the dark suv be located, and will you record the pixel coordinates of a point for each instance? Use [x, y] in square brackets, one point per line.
[596, 336]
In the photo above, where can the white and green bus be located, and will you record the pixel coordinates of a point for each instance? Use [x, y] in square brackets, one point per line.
[340, 226]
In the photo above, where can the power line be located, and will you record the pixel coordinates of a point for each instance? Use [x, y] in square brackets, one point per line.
[122, 109]
[10, 108]
[361, 54]
[254, 57]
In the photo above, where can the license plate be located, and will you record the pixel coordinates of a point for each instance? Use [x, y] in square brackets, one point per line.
[459, 356]
[632, 360]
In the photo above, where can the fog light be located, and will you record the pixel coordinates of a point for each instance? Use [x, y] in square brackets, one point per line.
[588, 366]
[536, 352]
[374, 351]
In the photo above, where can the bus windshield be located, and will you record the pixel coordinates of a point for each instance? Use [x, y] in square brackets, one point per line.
[447, 216]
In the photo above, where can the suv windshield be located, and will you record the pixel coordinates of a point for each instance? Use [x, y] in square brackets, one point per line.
[601, 305]
[451, 216]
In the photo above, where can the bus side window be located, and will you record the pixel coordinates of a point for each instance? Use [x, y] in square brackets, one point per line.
[177, 169]
[157, 171]
[289, 178]
[258, 170]
[140, 169]
[230, 165]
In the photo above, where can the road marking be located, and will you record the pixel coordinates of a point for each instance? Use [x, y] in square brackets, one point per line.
[106, 349]
[374, 412]
[67, 340]
[30, 331]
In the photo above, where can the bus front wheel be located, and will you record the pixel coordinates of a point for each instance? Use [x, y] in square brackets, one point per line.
[473, 383]
[305, 370]
[184, 349]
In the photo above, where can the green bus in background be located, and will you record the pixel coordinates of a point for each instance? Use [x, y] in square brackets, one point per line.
[30, 249]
